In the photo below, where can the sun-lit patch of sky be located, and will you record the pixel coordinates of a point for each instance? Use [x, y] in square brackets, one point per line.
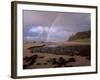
[53, 26]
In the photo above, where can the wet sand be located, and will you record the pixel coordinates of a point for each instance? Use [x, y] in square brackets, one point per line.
[62, 55]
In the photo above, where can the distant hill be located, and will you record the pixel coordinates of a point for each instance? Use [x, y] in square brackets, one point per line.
[81, 36]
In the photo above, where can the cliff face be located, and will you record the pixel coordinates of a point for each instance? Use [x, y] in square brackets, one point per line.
[86, 35]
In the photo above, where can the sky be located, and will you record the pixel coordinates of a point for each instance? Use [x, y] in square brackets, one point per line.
[53, 26]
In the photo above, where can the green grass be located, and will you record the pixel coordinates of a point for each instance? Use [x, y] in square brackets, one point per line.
[82, 40]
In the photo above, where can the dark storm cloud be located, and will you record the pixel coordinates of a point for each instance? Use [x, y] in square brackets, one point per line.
[38, 18]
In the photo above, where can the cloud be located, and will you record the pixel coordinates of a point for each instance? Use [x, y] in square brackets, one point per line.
[33, 29]
[38, 18]
[59, 36]
[31, 38]
[53, 25]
